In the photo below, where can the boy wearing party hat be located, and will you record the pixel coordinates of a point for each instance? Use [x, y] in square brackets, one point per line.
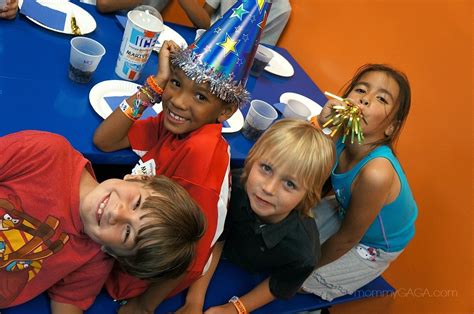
[200, 87]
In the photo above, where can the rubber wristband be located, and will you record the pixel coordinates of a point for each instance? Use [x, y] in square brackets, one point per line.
[150, 93]
[239, 306]
[154, 86]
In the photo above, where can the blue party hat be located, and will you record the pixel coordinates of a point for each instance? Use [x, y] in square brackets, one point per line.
[223, 55]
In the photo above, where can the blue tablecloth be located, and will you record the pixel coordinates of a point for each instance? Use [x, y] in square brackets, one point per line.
[228, 280]
[36, 93]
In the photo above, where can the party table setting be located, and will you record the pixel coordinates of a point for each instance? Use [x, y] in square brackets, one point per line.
[65, 67]
[38, 90]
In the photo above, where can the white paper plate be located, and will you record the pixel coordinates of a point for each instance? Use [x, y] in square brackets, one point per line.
[313, 106]
[84, 20]
[234, 123]
[116, 88]
[170, 34]
[278, 65]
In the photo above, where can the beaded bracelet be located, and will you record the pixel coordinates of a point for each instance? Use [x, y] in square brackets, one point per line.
[153, 91]
[153, 98]
[239, 306]
[150, 94]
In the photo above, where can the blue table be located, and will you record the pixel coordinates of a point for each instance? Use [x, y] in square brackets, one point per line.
[227, 281]
[36, 93]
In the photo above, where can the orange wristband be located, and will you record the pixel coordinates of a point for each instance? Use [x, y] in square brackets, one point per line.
[239, 306]
[129, 112]
[154, 86]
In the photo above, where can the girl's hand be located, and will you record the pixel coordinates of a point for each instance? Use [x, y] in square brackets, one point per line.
[328, 109]
[10, 9]
[228, 308]
[164, 70]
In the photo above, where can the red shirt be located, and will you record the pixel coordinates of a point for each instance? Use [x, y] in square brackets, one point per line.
[42, 244]
[200, 162]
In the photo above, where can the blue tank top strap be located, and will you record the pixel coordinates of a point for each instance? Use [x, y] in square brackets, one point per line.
[380, 151]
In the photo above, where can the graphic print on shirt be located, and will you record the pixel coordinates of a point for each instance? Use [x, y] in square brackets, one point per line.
[367, 252]
[24, 243]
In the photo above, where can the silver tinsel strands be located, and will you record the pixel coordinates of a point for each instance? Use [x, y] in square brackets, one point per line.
[223, 86]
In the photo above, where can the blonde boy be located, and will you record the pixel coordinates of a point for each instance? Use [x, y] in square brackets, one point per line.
[269, 227]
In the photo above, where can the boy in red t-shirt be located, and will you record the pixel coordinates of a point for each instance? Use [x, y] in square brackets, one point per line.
[57, 223]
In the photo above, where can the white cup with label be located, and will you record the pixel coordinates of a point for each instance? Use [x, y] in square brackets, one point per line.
[84, 58]
[144, 25]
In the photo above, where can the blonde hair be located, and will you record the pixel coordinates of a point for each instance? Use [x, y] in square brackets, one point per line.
[300, 148]
[167, 244]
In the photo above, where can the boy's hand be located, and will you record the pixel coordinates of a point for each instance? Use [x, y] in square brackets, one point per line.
[133, 307]
[164, 70]
[10, 9]
[228, 308]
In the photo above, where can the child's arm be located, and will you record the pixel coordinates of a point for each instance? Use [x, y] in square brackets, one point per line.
[151, 298]
[106, 6]
[257, 297]
[60, 308]
[199, 16]
[112, 133]
[197, 291]
[370, 192]
[323, 116]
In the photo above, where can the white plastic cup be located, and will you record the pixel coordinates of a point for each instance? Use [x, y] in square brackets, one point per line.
[84, 58]
[144, 25]
[259, 117]
[199, 32]
[295, 109]
[261, 60]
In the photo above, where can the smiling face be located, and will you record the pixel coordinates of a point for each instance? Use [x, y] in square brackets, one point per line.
[376, 93]
[273, 191]
[187, 105]
[111, 214]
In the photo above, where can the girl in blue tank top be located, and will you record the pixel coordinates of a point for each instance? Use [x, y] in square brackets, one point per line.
[371, 219]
